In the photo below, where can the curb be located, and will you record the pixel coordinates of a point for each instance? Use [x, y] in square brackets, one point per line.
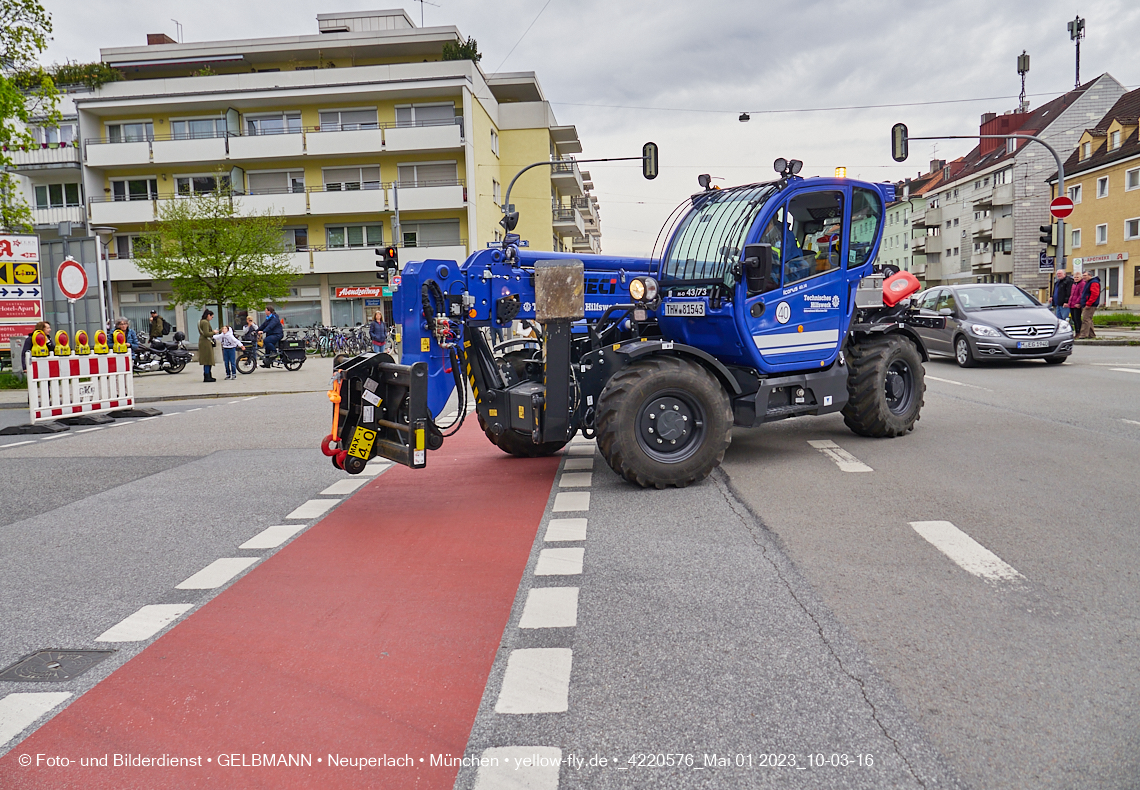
[1106, 342]
[203, 396]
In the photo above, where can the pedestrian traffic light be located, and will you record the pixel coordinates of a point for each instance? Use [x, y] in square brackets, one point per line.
[388, 263]
[1048, 234]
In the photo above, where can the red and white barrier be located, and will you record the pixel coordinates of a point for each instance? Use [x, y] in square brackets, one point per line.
[65, 386]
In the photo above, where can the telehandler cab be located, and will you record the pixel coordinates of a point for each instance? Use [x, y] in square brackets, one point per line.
[761, 305]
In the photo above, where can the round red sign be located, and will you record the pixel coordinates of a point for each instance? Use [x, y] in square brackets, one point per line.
[1061, 207]
[71, 279]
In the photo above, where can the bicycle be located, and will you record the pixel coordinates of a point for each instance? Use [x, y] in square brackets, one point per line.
[247, 360]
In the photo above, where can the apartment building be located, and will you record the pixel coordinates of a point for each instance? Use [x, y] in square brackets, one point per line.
[904, 234]
[991, 202]
[1102, 176]
[359, 134]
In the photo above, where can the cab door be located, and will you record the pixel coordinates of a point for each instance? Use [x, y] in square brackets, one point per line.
[800, 324]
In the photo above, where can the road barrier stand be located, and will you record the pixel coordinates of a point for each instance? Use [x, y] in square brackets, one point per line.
[62, 385]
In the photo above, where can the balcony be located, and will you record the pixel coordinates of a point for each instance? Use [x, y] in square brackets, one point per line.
[982, 197]
[918, 219]
[350, 201]
[363, 259]
[1003, 195]
[983, 228]
[107, 211]
[168, 150]
[919, 244]
[982, 259]
[567, 178]
[54, 216]
[424, 136]
[588, 244]
[267, 146]
[933, 218]
[47, 156]
[432, 195]
[933, 244]
[346, 142]
[568, 222]
[290, 204]
[100, 152]
[1002, 263]
[1003, 228]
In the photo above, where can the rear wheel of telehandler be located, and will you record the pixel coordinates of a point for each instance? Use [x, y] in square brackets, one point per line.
[885, 386]
[514, 443]
[663, 421]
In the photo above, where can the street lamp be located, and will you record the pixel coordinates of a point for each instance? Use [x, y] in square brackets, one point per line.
[104, 235]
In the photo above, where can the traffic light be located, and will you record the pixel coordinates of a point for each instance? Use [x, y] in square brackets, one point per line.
[1048, 235]
[900, 142]
[649, 162]
[388, 263]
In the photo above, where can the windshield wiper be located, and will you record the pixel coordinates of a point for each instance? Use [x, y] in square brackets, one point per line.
[991, 306]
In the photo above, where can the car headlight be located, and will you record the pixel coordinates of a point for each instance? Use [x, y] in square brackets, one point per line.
[981, 330]
[1063, 328]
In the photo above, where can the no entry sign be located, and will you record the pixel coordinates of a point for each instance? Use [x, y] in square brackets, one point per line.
[71, 279]
[1061, 207]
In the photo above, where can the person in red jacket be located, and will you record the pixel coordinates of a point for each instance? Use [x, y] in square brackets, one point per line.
[1090, 300]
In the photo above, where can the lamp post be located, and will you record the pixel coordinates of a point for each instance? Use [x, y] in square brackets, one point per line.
[104, 235]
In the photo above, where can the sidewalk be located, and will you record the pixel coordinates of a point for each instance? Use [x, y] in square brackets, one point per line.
[152, 387]
[1113, 336]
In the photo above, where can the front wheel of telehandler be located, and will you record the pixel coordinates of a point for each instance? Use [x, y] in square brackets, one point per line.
[885, 386]
[519, 445]
[663, 421]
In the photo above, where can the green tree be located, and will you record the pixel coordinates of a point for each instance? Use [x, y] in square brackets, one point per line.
[27, 92]
[468, 50]
[213, 254]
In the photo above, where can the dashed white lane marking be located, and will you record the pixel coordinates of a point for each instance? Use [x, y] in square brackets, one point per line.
[550, 607]
[17, 444]
[313, 508]
[147, 419]
[1125, 370]
[575, 480]
[537, 680]
[559, 562]
[376, 468]
[1130, 422]
[576, 464]
[966, 552]
[958, 383]
[570, 501]
[272, 537]
[845, 460]
[580, 449]
[20, 709]
[341, 487]
[231, 403]
[216, 573]
[249, 398]
[564, 529]
[144, 623]
[89, 430]
[172, 414]
[199, 408]
[55, 436]
[519, 768]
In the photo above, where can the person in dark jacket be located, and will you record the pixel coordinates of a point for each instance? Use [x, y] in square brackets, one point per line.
[378, 332]
[273, 331]
[1090, 300]
[1062, 290]
[42, 326]
[1075, 302]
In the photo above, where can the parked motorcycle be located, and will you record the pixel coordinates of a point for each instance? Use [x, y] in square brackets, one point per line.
[161, 355]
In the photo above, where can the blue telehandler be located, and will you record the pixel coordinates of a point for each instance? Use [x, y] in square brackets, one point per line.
[762, 302]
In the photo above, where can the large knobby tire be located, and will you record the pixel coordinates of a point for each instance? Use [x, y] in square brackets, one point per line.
[516, 444]
[885, 386]
[664, 421]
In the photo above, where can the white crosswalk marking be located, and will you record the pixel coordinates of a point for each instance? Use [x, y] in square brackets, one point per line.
[559, 562]
[216, 573]
[537, 680]
[313, 508]
[564, 529]
[550, 607]
[19, 710]
[575, 480]
[144, 623]
[570, 501]
[966, 552]
[845, 460]
[580, 449]
[342, 487]
[271, 537]
[578, 464]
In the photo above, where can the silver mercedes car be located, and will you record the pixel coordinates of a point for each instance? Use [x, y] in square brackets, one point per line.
[993, 321]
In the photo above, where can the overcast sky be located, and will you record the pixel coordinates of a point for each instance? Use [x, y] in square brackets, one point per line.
[680, 73]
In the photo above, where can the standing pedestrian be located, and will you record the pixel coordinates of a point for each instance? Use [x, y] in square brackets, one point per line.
[378, 332]
[206, 346]
[1062, 290]
[1075, 301]
[41, 326]
[156, 323]
[230, 345]
[1090, 300]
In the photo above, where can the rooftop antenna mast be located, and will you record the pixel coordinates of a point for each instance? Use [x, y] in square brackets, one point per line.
[1022, 69]
[1076, 33]
[422, 3]
[179, 29]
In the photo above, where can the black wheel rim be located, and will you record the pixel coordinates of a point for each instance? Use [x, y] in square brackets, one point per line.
[899, 386]
[671, 426]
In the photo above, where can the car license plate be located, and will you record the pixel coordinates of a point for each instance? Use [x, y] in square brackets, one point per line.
[1033, 344]
[685, 308]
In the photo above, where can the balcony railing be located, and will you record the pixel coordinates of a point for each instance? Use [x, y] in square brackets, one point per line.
[43, 156]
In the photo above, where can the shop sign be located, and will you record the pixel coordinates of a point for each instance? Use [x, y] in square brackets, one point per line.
[1111, 258]
[362, 292]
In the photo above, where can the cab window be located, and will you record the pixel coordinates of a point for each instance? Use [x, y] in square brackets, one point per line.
[813, 236]
[929, 299]
[866, 214]
[946, 299]
[774, 235]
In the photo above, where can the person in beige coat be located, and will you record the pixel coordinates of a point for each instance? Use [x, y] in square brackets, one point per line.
[206, 345]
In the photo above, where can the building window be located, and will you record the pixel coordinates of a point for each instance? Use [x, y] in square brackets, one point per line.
[1131, 229]
[344, 179]
[135, 189]
[348, 120]
[1086, 150]
[1102, 234]
[197, 128]
[1132, 180]
[426, 115]
[1003, 176]
[955, 222]
[200, 185]
[430, 174]
[440, 233]
[1003, 245]
[1116, 139]
[1011, 145]
[341, 236]
[1102, 187]
[297, 238]
[496, 192]
[280, 183]
[494, 142]
[1075, 193]
[273, 123]
[1076, 238]
[129, 246]
[57, 195]
[134, 132]
[54, 136]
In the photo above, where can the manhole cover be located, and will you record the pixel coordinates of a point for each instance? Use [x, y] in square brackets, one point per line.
[53, 665]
